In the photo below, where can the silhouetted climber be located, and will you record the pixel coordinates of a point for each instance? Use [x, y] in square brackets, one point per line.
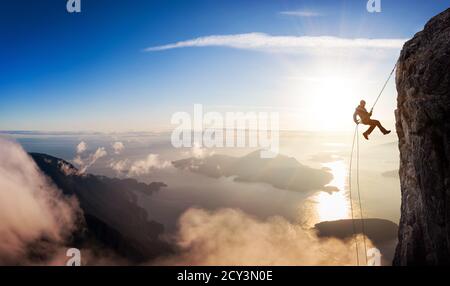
[365, 119]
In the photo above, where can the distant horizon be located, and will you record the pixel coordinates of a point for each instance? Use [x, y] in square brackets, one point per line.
[88, 132]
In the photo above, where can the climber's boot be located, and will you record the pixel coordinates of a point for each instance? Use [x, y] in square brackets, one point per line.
[366, 135]
[387, 132]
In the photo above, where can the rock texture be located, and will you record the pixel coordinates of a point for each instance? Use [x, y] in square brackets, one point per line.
[423, 128]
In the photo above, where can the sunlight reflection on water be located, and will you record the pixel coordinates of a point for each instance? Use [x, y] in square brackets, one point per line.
[323, 206]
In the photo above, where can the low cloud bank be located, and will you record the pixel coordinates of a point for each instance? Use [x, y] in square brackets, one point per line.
[231, 237]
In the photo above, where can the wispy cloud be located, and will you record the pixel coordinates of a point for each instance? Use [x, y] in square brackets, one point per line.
[84, 164]
[300, 13]
[269, 43]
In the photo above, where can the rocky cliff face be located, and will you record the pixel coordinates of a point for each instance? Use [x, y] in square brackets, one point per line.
[423, 128]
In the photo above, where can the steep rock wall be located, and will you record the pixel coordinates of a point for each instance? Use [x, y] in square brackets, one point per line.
[423, 128]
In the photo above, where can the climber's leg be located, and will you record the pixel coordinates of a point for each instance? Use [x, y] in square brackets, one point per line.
[382, 129]
[374, 123]
[370, 129]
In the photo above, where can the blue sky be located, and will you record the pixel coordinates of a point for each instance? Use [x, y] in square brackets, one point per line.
[90, 71]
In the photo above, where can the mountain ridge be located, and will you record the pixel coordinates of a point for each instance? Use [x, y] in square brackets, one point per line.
[111, 216]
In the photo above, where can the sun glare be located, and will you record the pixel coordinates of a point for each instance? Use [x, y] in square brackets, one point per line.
[333, 99]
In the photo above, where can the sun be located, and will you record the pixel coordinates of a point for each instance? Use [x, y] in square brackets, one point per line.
[332, 99]
[327, 92]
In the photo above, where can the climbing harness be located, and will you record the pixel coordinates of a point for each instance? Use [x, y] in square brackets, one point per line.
[356, 139]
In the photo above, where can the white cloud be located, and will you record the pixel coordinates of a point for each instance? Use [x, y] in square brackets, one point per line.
[81, 147]
[119, 166]
[148, 164]
[100, 152]
[300, 13]
[139, 167]
[31, 208]
[118, 147]
[265, 42]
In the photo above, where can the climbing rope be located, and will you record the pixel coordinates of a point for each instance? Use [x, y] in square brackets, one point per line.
[384, 86]
[359, 196]
[356, 138]
[350, 194]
